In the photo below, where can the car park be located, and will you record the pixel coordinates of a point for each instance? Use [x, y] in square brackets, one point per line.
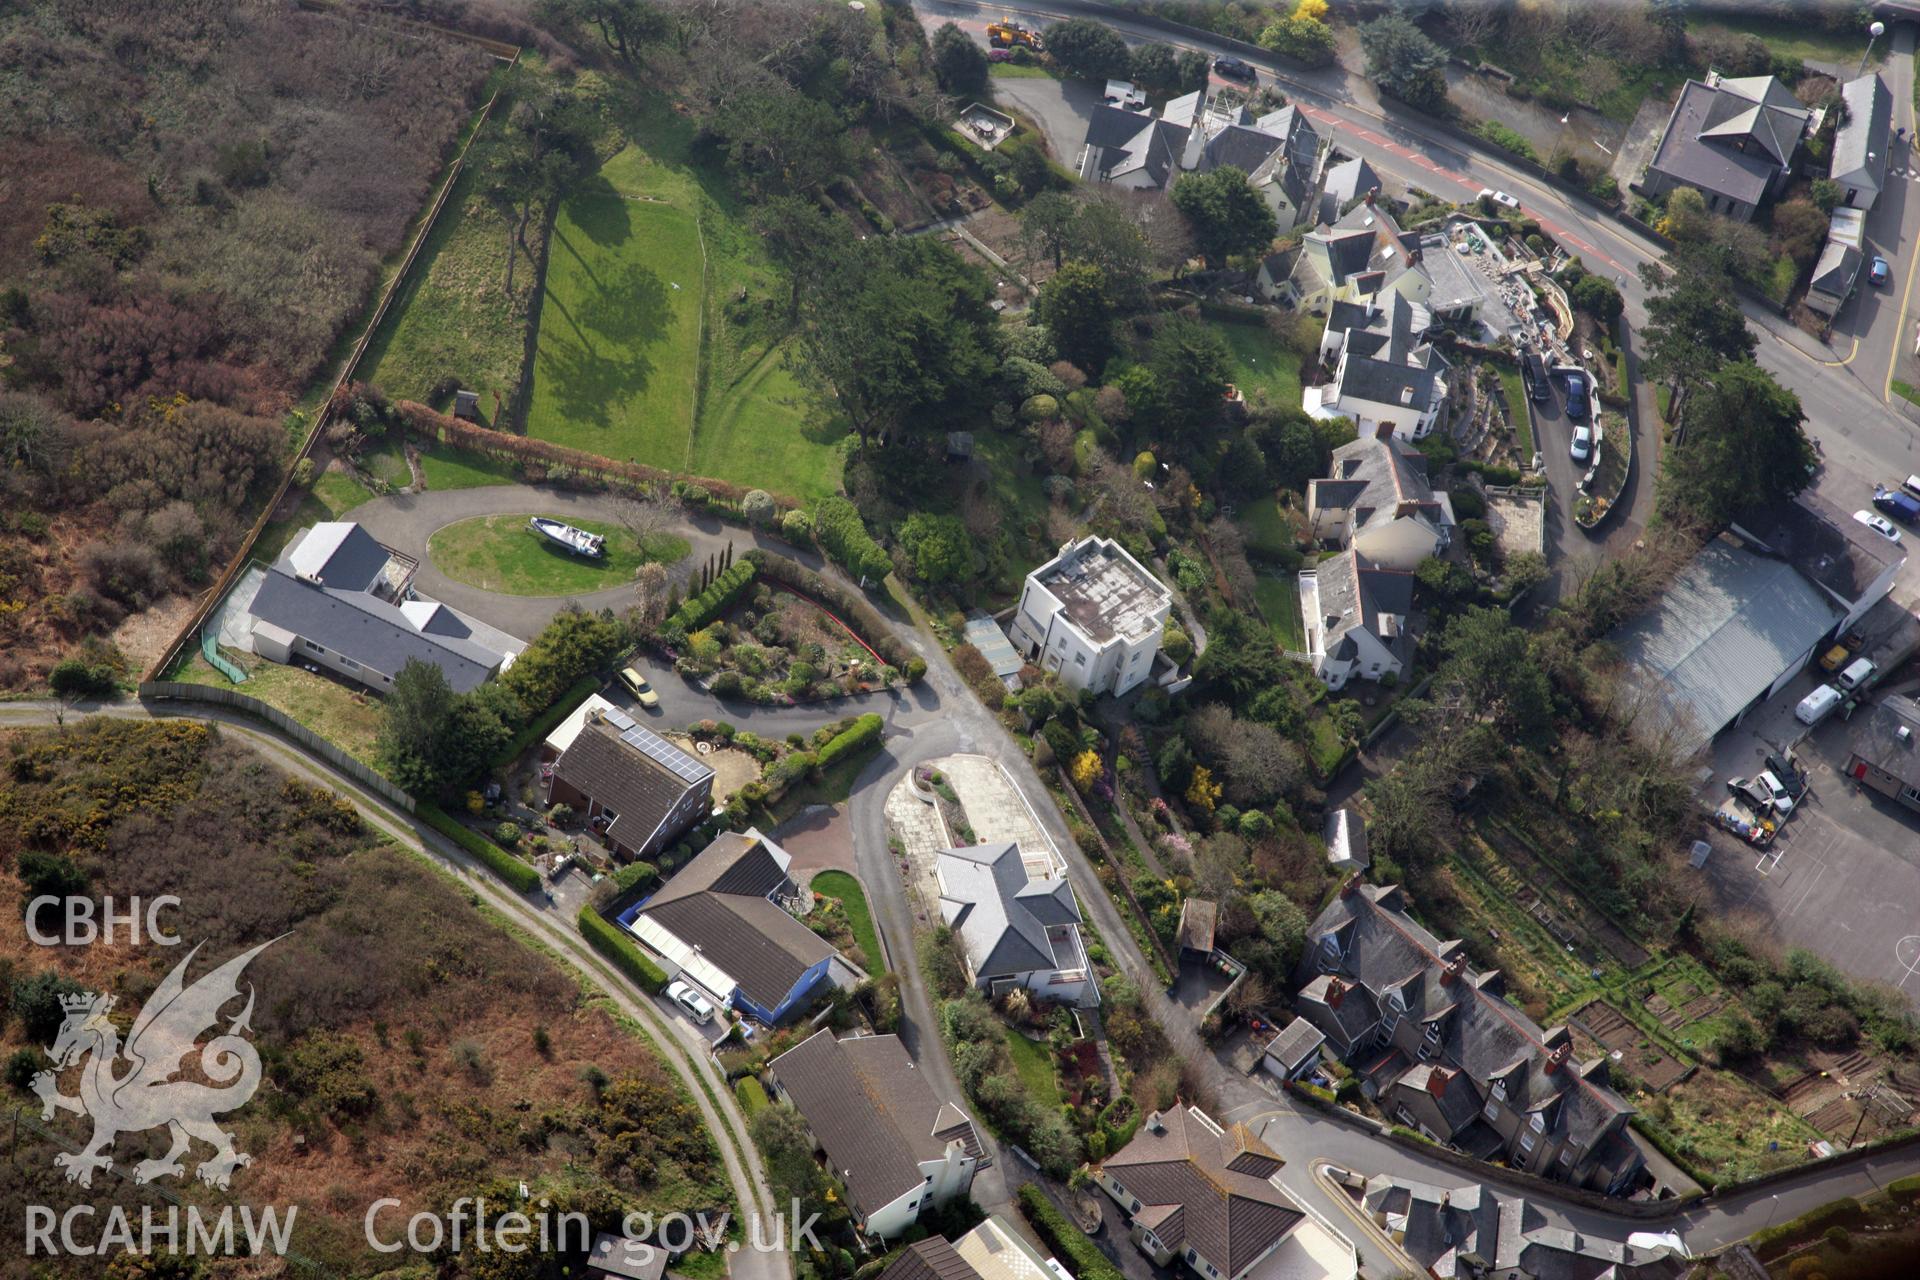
[1776, 790]
[1582, 446]
[695, 1005]
[1234, 68]
[1902, 506]
[1877, 274]
[1856, 674]
[1878, 524]
[1751, 791]
[642, 691]
[1500, 198]
[1818, 705]
[1788, 773]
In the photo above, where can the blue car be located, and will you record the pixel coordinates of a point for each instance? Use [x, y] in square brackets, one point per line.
[1877, 273]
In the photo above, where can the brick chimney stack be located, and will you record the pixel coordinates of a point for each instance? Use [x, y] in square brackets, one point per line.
[1437, 1081]
[1336, 992]
[1455, 967]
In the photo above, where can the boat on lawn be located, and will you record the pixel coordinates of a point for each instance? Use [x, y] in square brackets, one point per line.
[581, 543]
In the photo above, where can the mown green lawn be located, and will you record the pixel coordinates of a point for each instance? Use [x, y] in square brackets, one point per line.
[1033, 1063]
[838, 884]
[618, 354]
[448, 468]
[1267, 373]
[454, 317]
[1279, 600]
[500, 553]
[765, 430]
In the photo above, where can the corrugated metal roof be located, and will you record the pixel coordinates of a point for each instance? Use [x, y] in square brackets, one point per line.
[1728, 627]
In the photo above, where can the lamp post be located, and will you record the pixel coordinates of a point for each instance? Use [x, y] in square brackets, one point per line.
[1874, 32]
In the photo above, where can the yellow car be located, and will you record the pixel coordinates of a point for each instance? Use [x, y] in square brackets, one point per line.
[642, 691]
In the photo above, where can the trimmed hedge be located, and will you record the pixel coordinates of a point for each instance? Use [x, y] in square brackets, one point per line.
[863, 731]
[1807, 1225]
[609, 941]
[843, 534]
[708, 605]
[1907, 1188]
[752, 1095]
[520, 877]
[1065, 1239]
[548, 720]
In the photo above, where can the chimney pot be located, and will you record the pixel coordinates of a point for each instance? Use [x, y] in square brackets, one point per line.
[1336, 992]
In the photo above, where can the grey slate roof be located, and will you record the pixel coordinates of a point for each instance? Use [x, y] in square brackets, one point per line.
[1731, 137]
[1384, 951]
[338, 554]
[1860, 142]
[1355, 593]
[1836, 269]
[353, 622]
[1203, 1188]
[1345, 182]
[871, 1109]
[616, 1255]
[720, 902]
[1001, 915]
[1386, 359]
[1134, 148]
[1728, 626]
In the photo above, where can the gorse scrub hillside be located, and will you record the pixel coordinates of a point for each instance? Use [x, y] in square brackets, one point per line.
[412, 1048]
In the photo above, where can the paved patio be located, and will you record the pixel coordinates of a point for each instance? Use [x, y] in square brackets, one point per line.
[998, 812]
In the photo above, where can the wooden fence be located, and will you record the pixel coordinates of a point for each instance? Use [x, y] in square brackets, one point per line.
[348, 368]
[362, 773]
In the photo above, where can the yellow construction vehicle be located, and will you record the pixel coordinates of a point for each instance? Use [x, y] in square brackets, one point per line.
[1007, 33]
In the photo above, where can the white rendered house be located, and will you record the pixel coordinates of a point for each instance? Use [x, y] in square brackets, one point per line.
[1093, 615]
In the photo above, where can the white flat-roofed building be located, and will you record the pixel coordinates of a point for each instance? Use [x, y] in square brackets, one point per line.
[1093, 615]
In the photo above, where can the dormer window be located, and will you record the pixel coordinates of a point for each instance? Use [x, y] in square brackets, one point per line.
[1538, 1123]
[1500, 1090]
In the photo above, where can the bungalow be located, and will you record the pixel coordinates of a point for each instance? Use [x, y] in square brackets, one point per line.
[725, 923]
[1861, 143]
[896, 1145]
[1015, 930]
[338, 599]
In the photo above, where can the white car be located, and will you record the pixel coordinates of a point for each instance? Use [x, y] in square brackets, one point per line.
[1879, 524]
[696, 1006]
[1782, 798]
[1582, 443]
[1500, 198]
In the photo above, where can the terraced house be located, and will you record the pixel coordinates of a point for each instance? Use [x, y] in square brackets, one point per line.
[1439, 1048]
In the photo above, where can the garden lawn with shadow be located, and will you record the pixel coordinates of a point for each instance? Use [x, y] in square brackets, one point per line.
[853, 900]
[618, 357]
[500, 553]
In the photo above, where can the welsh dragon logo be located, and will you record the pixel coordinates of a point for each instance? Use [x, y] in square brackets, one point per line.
[127, 1089]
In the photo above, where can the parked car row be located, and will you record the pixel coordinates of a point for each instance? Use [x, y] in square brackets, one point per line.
[1819, 704]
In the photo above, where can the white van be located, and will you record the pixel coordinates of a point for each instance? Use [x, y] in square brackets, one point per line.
[1912, 485]
[1818, 705]
[1857, 673]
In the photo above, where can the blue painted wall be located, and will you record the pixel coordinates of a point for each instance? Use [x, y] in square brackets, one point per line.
[802, 988]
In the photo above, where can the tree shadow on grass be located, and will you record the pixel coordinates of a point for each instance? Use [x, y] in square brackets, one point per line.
[597, 353]
[600, 212]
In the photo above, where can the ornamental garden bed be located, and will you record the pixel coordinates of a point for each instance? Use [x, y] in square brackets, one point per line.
[774, 645]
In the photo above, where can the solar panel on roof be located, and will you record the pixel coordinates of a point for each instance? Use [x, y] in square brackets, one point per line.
[662, 752]
[656, 748]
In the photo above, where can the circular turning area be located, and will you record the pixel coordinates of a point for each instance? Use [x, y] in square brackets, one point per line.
[504, 553]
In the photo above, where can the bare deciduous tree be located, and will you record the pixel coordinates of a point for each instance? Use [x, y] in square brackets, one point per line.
[650, 594]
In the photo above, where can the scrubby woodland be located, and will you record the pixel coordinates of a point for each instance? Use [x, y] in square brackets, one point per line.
[197, 200]
[412, 1047]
